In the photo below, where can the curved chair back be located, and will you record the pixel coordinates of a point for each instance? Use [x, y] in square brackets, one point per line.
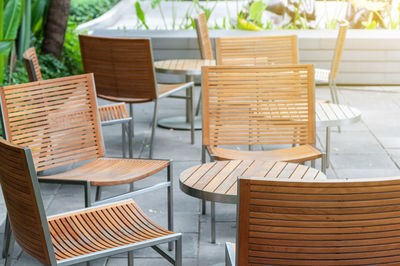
[24, 203]
[123, 67]
[257, 51]
[32, 65]
[203, 38]
[337, 55]
[251, 105]
[332, 222]
[56, 118]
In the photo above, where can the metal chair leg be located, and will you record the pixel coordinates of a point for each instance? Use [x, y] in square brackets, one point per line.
[203, 207]
[323, 163]
[130, 258]
[178, 251]
[131, 132]
[98, 193]
[7, 234]
[313, 163]
[170, 191]
[123, 131]
[10, 250]
[191, 114]
[154, 122]
[198, 107]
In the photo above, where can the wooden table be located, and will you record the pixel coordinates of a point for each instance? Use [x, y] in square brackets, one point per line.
[190, 68]
[217, 181]
[334, 115]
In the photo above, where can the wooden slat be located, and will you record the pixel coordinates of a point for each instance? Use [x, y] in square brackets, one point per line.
[221, 177]
[257, 51]
[331, 222]
[122, 67]
[21, 203]
[203, 38]
[63, 111]
[262, 102]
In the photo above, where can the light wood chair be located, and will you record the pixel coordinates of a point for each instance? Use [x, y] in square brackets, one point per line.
[259, 105]
[124, 72]
[78, 236]
[332, 222]
[206, 51]
[58, 119]
[203, 38]
[257, 51]
[109, 114]
[325, 76]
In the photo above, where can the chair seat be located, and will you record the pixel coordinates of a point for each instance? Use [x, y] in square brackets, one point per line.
[112, 171]
[113, 113]
[101, 229]
[322, 75]
[296, 154]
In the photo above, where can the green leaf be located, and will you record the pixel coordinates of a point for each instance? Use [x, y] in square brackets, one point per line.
[155, 3]
[140, 14]
[256, 11]
[12, 18]
[5, 47]
[38, 11]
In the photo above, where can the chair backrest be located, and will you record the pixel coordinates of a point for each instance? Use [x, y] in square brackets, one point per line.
[56, 118]
[24, 203]
[122, 67]
[32, 65]
[332, 222]
[251, 105]
[337, 55]
[203, 38]
[257, 51]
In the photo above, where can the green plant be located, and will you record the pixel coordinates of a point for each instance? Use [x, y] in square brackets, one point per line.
[81, 11]
[10, 19]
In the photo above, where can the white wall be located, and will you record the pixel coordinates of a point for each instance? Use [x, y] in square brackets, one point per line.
[369, 57]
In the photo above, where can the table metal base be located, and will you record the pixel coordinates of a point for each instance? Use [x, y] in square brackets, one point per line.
[179, 123]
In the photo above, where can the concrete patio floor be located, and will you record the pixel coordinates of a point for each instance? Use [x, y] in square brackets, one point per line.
[370, 148]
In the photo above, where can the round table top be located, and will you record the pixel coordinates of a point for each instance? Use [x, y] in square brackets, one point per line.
[182, 66]
[332, 115]
[217, 181]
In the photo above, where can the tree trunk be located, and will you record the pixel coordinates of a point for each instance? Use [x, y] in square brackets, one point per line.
[56, 25]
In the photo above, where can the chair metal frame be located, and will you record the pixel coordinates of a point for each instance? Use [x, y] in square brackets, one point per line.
[175, 237]
[152, 95]
[33, 68]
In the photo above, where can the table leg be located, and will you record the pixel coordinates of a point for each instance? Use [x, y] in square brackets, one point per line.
[327, 145]
[183, 122]
[213, 222]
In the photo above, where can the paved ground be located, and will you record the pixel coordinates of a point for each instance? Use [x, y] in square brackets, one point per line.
[370, 148]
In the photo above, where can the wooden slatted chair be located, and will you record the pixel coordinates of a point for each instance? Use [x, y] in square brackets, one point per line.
[257, 51]
[58, 120]
[203, 38]
[77, 236]
[332, 222]
[325, 76]
[109, 114]
[259, 105]
[124, 72]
